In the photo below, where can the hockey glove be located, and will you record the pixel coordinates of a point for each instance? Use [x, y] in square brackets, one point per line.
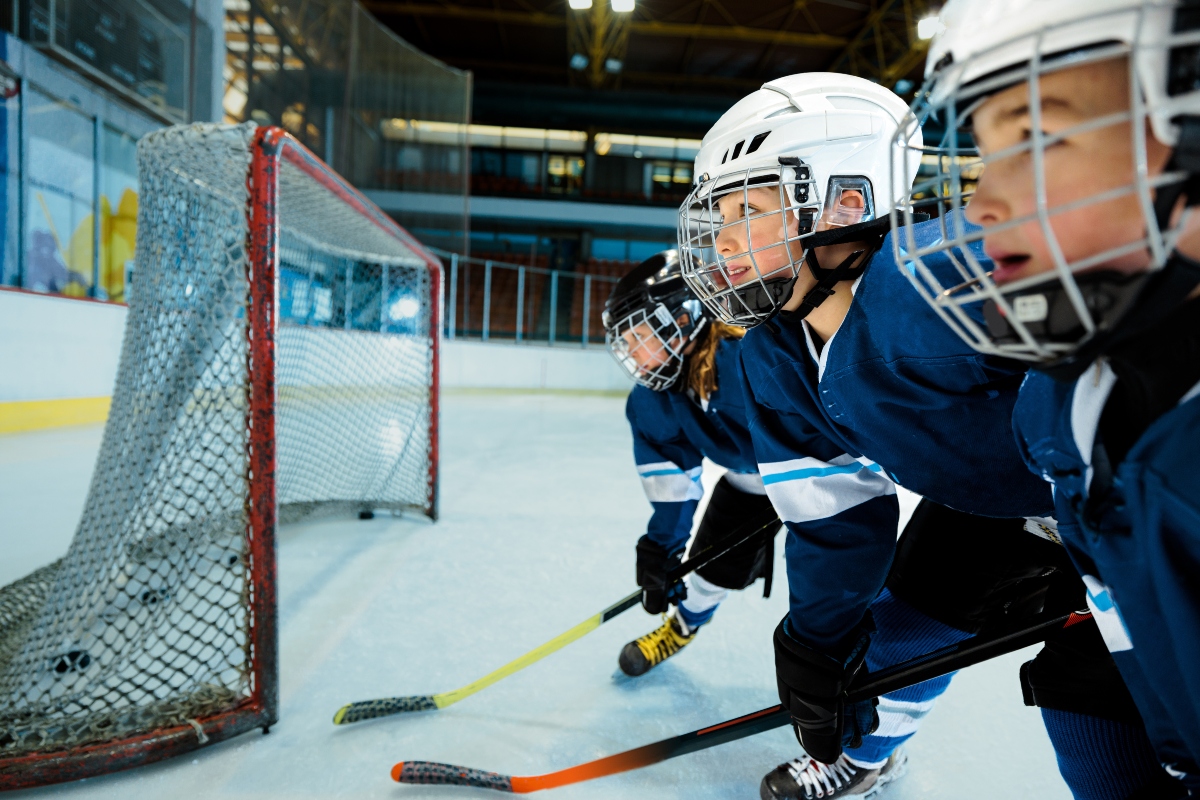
[653, 565]
[812, 687]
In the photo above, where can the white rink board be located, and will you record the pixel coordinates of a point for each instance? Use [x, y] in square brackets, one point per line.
[540, 510]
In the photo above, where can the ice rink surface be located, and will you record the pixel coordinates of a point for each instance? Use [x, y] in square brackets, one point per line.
[540, 509]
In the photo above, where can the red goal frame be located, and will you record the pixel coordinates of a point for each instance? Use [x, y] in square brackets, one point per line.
[270, 146]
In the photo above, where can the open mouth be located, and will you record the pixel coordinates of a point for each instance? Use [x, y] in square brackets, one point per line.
[738, 274]
[1009, 267]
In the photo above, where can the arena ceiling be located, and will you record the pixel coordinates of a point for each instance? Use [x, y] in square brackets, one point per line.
[535, 59]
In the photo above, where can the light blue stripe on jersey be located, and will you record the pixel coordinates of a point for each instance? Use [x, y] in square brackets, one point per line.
[807, 489]
[818, 472]
[665, 482]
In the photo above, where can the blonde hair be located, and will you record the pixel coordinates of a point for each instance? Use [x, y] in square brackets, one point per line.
[702, 363]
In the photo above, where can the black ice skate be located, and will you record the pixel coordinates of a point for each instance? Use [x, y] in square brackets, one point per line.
[646, 652]
[805, 779]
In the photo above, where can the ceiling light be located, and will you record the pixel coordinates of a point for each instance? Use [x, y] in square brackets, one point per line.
[622, 6]
[580, 5]
[929, 28]
[579, 62]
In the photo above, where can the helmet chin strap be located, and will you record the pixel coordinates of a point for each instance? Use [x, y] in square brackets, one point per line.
[827, 279]
[869, 233]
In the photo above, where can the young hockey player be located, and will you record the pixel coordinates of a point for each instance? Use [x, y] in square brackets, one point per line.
[687, 405]
[680, 412]
[849, 393]
[1087, 117]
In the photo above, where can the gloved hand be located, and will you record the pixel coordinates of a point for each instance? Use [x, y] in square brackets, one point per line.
[653, 564]
[812, 687]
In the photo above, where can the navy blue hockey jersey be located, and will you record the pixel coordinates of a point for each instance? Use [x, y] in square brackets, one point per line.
[893, 397]
[1141, 557]
[673, 432]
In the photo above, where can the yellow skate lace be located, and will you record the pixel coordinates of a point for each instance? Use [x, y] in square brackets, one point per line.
[662, 643]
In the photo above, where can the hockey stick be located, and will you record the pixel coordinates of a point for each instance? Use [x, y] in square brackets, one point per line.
[371, 709]
[923, 668]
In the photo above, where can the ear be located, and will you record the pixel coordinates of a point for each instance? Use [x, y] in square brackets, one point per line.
[852, 198]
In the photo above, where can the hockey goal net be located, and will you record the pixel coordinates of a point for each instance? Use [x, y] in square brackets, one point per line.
[279, 360]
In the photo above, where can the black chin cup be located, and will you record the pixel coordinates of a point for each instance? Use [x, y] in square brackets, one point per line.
[763, 299]
[1047, 313]
[1122, 305]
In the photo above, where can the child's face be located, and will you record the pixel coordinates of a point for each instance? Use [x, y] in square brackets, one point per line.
[736, 241]
[645, 348]
[1082, 165]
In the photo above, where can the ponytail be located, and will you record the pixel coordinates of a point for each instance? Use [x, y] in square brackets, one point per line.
[702, 363]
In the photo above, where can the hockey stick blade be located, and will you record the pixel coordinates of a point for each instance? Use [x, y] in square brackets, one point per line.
[371, 709]
[432, 772]
[387, 706]
[908, 673]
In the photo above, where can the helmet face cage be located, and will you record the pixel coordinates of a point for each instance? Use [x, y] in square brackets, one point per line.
[747, 287]
[1044, 317]
[649, 342]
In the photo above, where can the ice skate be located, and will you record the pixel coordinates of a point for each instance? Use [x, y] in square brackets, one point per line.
[805, 779]
[646, 652]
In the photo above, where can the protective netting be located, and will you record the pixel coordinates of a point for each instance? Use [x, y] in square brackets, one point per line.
[144, 623]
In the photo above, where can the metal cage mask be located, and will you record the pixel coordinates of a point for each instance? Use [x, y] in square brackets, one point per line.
[1046, 317]
[743, 269]
[649, 342]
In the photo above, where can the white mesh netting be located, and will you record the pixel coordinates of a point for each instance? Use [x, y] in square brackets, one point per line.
[143, 624]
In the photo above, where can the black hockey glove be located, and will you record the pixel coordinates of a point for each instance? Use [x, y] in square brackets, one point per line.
[653, 565]
[812, 687]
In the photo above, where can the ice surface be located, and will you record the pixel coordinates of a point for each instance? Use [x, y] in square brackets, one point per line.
[540, 509]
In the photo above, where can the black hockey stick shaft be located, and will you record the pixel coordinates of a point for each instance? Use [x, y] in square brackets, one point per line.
[923, 668]
[383, 707]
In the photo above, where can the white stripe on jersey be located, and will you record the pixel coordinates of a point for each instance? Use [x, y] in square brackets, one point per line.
[664, 482]
[806, 489]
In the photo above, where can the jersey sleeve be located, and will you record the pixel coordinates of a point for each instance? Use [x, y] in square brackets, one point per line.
[841, 513]
[669, 466]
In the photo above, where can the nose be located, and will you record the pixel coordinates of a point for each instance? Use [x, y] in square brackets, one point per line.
[731, 238]
[987, 206]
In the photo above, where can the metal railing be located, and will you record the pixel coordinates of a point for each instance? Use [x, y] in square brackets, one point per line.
[492, 300]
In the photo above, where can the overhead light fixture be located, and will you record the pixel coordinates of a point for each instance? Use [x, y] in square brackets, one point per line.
[929, 28]
[579, 62]
[580, 5]
[613, 66]
[622, 6]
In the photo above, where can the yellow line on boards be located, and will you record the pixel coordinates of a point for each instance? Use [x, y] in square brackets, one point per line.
[33, 415]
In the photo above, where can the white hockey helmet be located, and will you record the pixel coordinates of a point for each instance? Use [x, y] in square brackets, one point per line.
[806, 139]
[986, 47]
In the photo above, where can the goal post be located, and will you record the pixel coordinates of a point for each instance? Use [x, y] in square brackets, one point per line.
[280, 360]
